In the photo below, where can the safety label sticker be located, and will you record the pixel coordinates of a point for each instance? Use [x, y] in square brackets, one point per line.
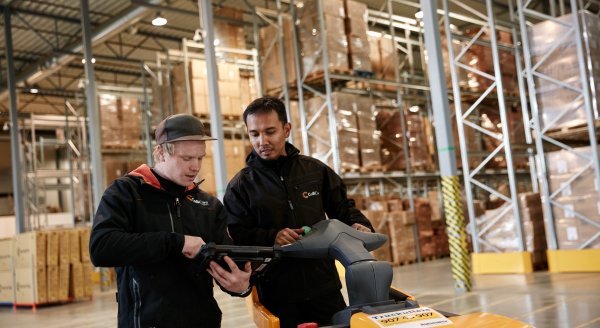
[411, 318]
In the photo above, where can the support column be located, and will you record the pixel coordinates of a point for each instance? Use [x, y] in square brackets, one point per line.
[216, 122]
[15, 140]
[93, 113]
[446, 153]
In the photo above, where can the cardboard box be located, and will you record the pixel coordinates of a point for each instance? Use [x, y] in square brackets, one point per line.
[52, 239]
[6, 254]
[52, 280]
[30, 285]
[7, 286]
[30, 249]
[88, 284]
[63, 281]
[74, 246]
[84, 238]
[64, 255]
[76, 286]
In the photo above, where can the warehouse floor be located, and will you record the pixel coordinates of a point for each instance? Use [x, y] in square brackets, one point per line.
[542, 299]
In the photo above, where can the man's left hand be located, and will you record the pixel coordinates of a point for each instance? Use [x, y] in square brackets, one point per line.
[361, 227]
[234, 280]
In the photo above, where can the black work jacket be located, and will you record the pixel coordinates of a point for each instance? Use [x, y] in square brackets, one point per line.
[291, 192]
[139, 228]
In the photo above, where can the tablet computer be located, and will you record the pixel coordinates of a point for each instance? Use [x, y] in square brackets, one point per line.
[259, 257]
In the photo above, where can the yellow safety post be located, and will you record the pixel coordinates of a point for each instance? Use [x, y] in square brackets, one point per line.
[457, 237]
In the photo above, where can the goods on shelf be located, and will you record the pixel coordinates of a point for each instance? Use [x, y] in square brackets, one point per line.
[346, 129]
[499, 228]
[229, 33]
[115, 168]
[356, 30]
[479, 57]
[120, 119]
[562, 64]
[368, 136]
[235, 159]
[573, 181]
[229, 82]
[389, 123]
[272, 66]
[381, 53]
[310, 34]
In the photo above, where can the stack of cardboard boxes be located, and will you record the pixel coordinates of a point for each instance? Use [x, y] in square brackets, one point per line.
[562, 64]
[120, 118]
[381, 49]
[310, 36]
[272, 66]
[236, 151]
[229, 88]
[388, 122]
[229, 32]
[49, 267]
[358, 41]
[388, 217]
[499, 228]
[346, 126]
[368, 136]
[577, 195]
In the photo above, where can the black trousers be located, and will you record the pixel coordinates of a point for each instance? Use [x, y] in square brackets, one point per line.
[319, 310]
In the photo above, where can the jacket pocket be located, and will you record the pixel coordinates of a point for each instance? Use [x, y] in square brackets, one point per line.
[308, 200]
[148, 306]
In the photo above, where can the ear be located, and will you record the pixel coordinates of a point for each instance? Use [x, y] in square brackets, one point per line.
[287, 128]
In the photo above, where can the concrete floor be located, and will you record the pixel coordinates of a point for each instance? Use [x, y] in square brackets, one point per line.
[541, 299]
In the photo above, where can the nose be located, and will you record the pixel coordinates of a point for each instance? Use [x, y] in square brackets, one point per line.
[262, 139]
[195, 166]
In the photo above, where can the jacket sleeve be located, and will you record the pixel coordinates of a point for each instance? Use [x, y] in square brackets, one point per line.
[112, 240]
[336, 202]
[242, 226]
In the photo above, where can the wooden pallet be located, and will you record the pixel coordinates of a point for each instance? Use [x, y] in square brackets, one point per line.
[405, 262]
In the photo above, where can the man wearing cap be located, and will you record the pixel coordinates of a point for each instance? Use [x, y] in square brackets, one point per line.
[271, 199]
[150, 225]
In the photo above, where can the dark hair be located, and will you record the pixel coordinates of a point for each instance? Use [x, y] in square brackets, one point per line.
[267, 104]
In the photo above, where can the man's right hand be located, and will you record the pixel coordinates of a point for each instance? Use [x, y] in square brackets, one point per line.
[288, 236]
[191, 246]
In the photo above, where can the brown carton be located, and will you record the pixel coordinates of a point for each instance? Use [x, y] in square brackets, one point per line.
[63, 281]
[52, 279]
[88, 285]
[64, 255]
[84, 237]
[52, 240]
[76, 286]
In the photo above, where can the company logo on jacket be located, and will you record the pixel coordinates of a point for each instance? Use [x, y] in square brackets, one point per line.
[307, 194]
[197, 201]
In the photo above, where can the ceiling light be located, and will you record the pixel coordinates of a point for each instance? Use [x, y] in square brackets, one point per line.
[33, 90]
[419, 15]
[93, 60]
[414, 109]
[159, 20]
[197, 35]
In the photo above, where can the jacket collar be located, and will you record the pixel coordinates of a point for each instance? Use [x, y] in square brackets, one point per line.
[253, 160]
[143, 171]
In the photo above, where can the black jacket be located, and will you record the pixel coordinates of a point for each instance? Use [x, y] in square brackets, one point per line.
[290, 192]
[139, 228]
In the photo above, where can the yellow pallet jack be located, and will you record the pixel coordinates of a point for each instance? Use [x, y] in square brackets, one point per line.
[373, 302]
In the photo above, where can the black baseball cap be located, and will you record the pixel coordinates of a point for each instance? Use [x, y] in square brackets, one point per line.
[180, 127]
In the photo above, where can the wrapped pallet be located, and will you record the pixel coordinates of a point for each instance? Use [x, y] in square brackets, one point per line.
[358, 41]
[562, 64]
[346, 129]
[368, 135]
[229, 33]
[501, 235]
[272, 66]
[388, 121]
[310, 36]
[571, 178]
